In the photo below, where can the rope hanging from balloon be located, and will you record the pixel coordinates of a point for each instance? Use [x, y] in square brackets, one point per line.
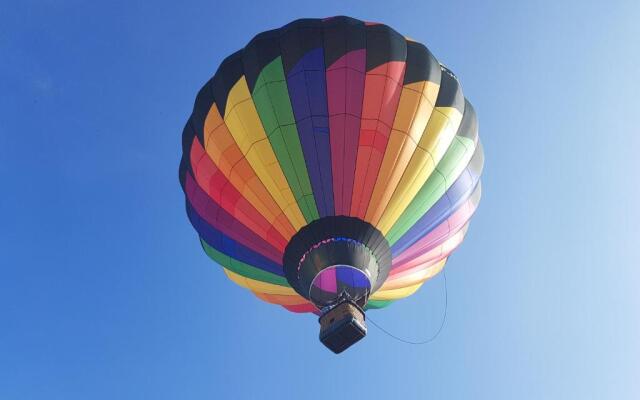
[435, 335]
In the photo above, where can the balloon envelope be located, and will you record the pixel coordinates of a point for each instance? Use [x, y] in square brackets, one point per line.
[329, 140]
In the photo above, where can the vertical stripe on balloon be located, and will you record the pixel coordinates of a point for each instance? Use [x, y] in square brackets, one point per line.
[303, 60]
[386, 55]
[345, 60]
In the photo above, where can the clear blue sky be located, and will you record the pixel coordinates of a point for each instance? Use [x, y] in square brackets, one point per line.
[106, 294]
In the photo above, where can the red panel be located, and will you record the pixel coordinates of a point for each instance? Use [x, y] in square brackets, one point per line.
[302, 308]
[383, 86]
[217, 217]
[216, 185]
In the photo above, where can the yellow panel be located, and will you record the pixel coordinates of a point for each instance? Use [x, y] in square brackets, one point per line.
[416, 277]
[408, 106]
[437, 137]
[258, 286]
[431, 92]
[273, 294]
[225, 153]
[441, 129]
[395, 294]
[241, 117]
[410, 122]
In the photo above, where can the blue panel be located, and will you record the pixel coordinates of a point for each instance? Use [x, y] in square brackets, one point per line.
[308, 93]
[352, 277]
[230, 247]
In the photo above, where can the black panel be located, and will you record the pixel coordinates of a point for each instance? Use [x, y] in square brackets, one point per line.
[229, 72]
[188, 134]
[297, 39]
[261, 50]
[477, 161]
[469, 124]
[342, 35]
[201, 107]
[450, 94]
[384, 45]
[421, 64]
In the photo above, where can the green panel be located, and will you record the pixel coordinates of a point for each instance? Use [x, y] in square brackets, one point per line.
[375, 304]
[241, 268]
[271, 98]
[447, 171]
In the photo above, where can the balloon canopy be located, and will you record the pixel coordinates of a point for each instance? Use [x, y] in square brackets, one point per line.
[331, 158]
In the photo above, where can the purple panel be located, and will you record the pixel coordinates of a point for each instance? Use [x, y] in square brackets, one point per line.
[345, 82]
[230, 247]
[308, 93]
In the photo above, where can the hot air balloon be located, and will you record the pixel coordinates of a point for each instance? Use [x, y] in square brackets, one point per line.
[331, 166]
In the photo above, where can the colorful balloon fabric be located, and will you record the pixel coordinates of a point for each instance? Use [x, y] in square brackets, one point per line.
[321, 120]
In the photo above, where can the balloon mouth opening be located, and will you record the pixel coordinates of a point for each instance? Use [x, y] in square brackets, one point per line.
[336, 258]
[340, 282]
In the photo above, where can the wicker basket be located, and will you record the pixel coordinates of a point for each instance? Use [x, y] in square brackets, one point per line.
[342, 326]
